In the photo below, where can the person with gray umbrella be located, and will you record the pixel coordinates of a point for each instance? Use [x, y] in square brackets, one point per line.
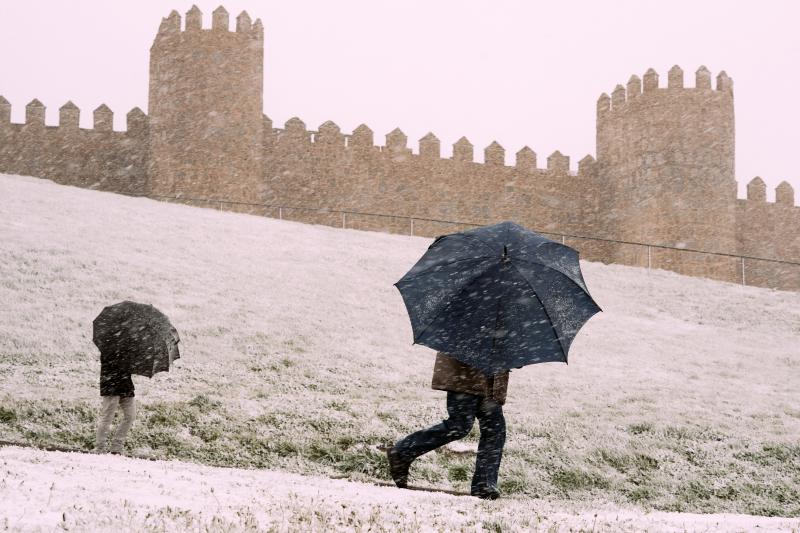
[488, 300]
[133, 338]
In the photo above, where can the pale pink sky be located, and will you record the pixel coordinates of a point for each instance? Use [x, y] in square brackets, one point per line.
[519, 72]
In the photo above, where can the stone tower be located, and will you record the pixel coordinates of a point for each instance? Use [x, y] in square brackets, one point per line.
[665, 157]
[206, 108]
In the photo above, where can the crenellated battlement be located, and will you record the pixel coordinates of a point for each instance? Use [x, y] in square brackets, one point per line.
[428, 147]
[69, 118]
[645, 88]
[663, 171]
[172, 26]
[757, 193]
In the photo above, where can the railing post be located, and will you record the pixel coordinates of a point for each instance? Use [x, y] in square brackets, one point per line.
[344, 220]
[744, 280]
[649, 257]
[562, 240]
[280, 213]
[412, 227]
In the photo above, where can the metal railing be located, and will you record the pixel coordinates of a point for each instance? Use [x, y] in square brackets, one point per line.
[563, 236]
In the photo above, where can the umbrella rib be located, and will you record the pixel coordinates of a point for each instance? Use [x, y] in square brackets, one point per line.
[546, 312]
[481, 241]
[557, 270]
[482, 272]
[427, 270]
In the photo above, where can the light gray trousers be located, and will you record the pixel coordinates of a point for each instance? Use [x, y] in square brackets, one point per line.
[108, 408]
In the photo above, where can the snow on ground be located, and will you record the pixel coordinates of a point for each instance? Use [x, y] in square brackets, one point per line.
[44, 491]
[682, 395]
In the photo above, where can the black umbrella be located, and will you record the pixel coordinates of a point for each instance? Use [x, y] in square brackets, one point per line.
[139, 337]
[497, 297]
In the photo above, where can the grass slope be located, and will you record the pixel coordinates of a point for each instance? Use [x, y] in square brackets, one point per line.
[682, 396]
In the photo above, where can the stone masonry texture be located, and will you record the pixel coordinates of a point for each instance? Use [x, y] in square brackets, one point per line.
[663, 175]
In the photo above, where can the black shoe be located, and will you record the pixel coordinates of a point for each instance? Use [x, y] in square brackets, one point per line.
[398, 468]
[489, 492]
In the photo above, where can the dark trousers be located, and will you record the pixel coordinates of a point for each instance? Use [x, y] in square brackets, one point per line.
[462, 409]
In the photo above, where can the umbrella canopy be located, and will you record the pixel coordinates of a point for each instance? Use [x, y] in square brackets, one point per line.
[497, 297]
[140, 338]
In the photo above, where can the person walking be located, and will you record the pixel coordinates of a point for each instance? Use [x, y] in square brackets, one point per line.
[116, 392]
[133, 338]
[471, 394]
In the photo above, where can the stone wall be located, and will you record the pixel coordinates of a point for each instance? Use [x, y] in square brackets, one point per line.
[326, 169]
[664, 173]
[97, 158]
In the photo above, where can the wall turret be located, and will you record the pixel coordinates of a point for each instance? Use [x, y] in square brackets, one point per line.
[206, 108]
[668, 156]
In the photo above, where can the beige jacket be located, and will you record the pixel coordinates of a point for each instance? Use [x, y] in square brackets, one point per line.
[454, 376]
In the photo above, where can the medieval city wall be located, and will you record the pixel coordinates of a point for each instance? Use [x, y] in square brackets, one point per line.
[664, 173]
[326, 169]
[97, 158]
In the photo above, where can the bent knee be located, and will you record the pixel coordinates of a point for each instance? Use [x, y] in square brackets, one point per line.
[460, 427]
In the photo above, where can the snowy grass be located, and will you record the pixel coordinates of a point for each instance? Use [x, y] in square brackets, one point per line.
[682, 396]
[77, 492]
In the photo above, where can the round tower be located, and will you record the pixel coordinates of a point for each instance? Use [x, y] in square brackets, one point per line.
[206, 108]
[666, 158]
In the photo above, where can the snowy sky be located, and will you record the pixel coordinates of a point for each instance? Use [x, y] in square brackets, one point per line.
[519, 72]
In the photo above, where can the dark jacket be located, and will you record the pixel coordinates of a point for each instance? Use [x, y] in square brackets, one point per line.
[454, 376]
[115, 379]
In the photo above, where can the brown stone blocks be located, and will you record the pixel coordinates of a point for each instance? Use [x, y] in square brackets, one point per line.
[663, 172]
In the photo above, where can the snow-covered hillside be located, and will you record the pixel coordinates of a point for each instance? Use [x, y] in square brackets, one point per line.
[682, 396]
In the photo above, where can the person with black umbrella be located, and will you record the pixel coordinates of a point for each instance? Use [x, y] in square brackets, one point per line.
[133, 338]
[471, 394]
[488, 300]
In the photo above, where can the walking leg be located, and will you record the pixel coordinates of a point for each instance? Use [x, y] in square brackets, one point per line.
[128, 415]
[108, 406]
[461, 417]
[490, 449]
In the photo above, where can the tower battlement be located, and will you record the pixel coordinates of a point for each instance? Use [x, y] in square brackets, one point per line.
[220, 22]
[643, 91]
